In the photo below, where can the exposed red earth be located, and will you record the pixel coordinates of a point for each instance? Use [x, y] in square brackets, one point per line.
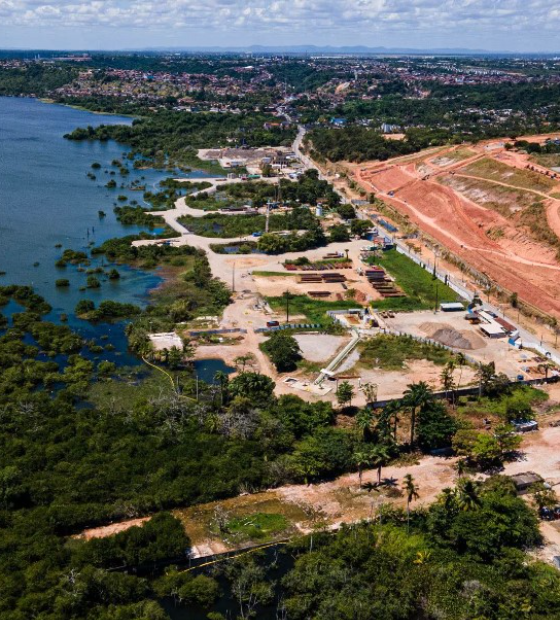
[514, 258]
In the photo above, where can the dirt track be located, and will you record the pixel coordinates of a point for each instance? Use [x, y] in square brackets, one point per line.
[514, 259]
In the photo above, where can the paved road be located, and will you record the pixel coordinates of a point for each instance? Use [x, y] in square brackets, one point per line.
[529, 340]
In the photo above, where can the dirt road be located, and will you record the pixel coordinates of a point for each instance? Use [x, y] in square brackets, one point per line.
[513, 258]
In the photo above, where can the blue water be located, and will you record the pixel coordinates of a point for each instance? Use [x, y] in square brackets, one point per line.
[46, 199]
[206, 369]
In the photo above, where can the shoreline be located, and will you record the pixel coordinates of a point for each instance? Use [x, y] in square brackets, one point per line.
[49, 101]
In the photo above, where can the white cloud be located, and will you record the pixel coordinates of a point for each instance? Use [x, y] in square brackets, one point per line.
[451, 21]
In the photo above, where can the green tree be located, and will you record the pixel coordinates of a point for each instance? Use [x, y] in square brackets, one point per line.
[344, 393]
[346, 211]
[416, 397]
[258, 388]
[360, 228]
[361, 459]
[379, 456]
[338, 233]
[410, 489]
[435, 426]
[283, 350]
[202, 273]
[174, 358]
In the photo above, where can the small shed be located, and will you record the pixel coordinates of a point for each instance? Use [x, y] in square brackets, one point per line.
[525, 426]
[492, 330]
[523, 482]
[452, 307]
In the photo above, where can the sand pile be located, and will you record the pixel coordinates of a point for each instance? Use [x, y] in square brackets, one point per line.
[451, 337]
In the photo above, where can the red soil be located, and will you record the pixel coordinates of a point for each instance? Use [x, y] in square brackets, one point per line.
[515, 261]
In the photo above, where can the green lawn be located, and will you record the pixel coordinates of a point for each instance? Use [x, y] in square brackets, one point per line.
[418, 284]
[260, 526]
[315, 310]
[390, 352]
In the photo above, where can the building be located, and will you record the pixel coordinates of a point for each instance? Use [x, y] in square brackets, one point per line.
[452, 307]
[492, 330]
[523, 482]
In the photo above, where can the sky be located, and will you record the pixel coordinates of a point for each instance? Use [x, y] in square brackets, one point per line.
[495, 25]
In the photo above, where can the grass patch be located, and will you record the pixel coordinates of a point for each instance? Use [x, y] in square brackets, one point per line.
[259, 526]
[547, 160]
[418, 284]
[315, 310]
[132, 387]
[390, 352]
[275, 274]
[190, 158]
[261, 517]
[534, 218]
[519, 402]
[453, 156]
[308, 367]
[493, 170]
[504, 200]
[224, 226]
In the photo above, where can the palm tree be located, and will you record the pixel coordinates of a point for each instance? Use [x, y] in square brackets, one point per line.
[363, 419]
[467, 496]
[243, 360]
[221, 378]
[174, 357]
[188, 350]
[361, 460]
[390, 417]
[411, 489]
[448, 499]
[461, 361]
[447, 381]
[416, 396]
[461, 466]
[545, 367]
[378, 457]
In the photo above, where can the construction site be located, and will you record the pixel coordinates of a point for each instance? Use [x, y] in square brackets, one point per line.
[489, 206]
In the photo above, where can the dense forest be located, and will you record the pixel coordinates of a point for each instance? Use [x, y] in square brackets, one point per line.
[358, 144]
[145, 448]
[171, 138]
[35, 79]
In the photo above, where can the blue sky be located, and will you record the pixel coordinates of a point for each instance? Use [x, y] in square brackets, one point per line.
[516, 25]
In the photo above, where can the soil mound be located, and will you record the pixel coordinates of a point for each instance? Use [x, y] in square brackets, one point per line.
[451, 337]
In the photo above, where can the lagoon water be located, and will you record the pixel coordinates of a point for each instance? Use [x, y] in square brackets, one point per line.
[47, 199]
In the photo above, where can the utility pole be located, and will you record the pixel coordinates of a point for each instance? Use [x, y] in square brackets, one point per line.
[436, 279]
[233, 278]
[267, 217]
[287, 295]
